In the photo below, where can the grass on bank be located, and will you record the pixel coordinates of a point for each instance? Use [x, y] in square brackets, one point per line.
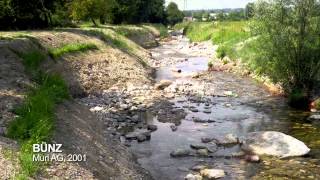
[71, 48]
[233, 37]
[35, 117]
[113, 39]
[162, 29]
[229, 36]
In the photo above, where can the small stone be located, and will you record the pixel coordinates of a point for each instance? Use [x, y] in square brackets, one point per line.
[252, 158]
[198, 120]
[212, 173]
[229, 139]
[194, 109]
[193, 177]
[2, 131]
[207, 111]
[315, 117]
[211, 121]
[133, 108]
[180, 153]
[206, 140]
[228, 93]
[152, 127]
[203, 152]
[163, 84]
[198, 168]
[141, 138]
[198, 146]
[96, 109]
[174, 127]
[124, 106]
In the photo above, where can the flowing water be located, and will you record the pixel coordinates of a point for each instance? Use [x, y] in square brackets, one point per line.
[253, 109]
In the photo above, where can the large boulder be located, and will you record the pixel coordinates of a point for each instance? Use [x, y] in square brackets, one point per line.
[273, 144]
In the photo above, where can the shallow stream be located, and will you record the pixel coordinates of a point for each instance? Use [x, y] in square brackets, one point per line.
[251, 109]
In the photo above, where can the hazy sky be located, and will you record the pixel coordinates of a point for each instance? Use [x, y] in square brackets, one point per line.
[211, 4]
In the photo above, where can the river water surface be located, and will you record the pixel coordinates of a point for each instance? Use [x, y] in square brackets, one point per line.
[251, 109]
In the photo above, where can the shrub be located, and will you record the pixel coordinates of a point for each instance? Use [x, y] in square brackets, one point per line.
[221, 52]
[290, 43]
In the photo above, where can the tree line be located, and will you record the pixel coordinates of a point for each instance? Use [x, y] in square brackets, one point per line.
[21, 14]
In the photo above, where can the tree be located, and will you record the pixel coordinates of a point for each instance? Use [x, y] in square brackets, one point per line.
[88, 9]
[249, 10]
[25, 14]
[174, 15]
[290, 50]
[157, 11]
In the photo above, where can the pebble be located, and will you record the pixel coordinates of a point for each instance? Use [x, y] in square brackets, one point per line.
[194, 110]
[96, 109]
[203, 152]
[206, 140]
[212, 173]
[198, 146]
[174, 127]
[252, 158]
[141, 138]
[198, 168]
[152, 127]
[180, 153]
[193, 177]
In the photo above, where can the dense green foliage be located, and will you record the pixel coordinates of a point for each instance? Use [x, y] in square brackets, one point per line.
[34, 121]
[290, 52]
[70, 48]
[282, 42]
[174, 14]
[25, 14]
[249, 10]
[17, 14]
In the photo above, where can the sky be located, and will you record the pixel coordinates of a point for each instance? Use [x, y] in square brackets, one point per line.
[211, 4]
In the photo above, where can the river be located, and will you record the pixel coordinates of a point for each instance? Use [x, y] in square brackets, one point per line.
[232, 104]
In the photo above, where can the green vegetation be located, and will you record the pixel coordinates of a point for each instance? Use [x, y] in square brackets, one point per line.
[199, 31]
[317, 104]
[161, 28]
[228, 35]
[281, 42]
[35, 117]
[17, 14]
[290, 48]
[71, 48]
[112, 38]
[174, 15]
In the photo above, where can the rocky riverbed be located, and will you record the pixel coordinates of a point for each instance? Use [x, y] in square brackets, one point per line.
[189, 125]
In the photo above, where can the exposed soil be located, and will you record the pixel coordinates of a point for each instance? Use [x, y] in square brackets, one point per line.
[77, 128]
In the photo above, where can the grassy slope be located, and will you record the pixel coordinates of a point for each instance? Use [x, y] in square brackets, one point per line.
[234, 38]
[35, 120]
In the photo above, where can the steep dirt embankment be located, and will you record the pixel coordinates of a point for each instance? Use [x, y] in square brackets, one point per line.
[116, 62]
